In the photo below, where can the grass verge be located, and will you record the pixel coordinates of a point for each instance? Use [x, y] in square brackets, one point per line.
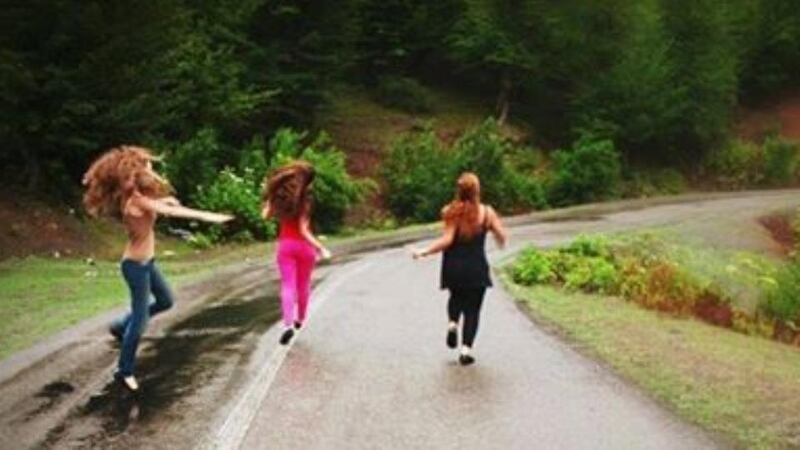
[744, 388]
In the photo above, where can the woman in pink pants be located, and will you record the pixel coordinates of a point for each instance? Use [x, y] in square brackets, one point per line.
[287, 197]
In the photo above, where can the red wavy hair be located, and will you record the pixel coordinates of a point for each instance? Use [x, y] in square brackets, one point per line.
[115, 175]
[288, 190]
[464, 210]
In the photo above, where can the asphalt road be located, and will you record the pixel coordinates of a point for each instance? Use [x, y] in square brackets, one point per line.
[369, 371]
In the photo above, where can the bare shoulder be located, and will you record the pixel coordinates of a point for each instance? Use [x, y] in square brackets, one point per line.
[489, 211]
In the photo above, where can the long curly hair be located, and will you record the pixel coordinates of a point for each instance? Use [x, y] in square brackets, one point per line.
[115, 175]
[464, 210]
[288, 190]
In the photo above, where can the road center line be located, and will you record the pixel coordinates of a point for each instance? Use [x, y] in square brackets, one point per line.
[234, 429]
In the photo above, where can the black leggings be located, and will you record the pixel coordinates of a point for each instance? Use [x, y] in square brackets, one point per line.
[466, 301]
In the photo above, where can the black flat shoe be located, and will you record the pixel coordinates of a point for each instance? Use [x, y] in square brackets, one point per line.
[287, 336]
[452, 338]
[298, 325]
[466, 360]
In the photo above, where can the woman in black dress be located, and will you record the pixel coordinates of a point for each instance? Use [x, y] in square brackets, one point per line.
[465, 269]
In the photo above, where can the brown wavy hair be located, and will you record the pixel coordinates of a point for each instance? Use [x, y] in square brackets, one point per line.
[464, 210]
[115, 175]
[288, 190]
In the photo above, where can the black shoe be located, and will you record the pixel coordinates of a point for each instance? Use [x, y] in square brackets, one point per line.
[466, 360]
[287, 336]
[298, 325]
[452, 338]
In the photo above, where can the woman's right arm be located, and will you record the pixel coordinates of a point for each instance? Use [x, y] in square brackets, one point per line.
[497, 229]
[176, 210]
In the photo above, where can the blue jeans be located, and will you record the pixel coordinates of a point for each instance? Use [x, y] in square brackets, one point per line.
[142, 279]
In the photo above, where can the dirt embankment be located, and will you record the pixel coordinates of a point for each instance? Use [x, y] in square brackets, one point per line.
[781, 115]
[29, 227]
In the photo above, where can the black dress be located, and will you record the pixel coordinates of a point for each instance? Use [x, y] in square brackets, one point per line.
[464, 263]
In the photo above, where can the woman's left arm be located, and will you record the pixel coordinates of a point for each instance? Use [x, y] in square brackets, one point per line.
[305, 231]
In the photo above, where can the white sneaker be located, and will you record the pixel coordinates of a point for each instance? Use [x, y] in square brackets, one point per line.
[131, 383]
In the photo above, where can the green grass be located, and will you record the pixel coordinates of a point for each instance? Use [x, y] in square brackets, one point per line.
[41, 296]
[745, 388]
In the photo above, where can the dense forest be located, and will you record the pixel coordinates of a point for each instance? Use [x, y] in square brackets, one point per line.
[215, 84]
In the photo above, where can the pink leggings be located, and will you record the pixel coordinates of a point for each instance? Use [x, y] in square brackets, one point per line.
[296, 260]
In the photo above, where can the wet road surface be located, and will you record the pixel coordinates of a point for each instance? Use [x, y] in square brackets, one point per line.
[369, 370]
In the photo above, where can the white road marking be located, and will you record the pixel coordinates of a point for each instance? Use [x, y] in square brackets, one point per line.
[234, 429]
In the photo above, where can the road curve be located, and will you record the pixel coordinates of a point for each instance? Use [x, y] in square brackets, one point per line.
[372, 371]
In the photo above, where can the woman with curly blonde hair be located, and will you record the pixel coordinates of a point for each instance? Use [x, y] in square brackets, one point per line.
[465, 268]
[287, 197]
[121, 183]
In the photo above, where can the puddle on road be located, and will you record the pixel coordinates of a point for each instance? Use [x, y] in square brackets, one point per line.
[48, 397]
[172, 368]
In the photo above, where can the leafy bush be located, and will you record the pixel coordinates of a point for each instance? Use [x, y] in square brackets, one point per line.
[486, 152]
[533, 267]
[404, 93]
[334, 189]
[590, 171]
[592, 274]
[194, 163]
[238, 191]
[780, 161]
[735, 165]
[652, 183]
[239, 195]
[418, 174]
[589, 245]
[782, 301]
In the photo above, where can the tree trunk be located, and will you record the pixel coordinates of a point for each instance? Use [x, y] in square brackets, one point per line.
[504, 98]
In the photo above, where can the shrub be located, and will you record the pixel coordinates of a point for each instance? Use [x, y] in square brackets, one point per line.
[592, 274]
[334, 189]
[239, 195]
[404, 93]
[533, 267]
[736, 165]
[780, 161]
[650, 183]
[782, 301]
[590, 171]
[194, 163]
[592, 246]
[419, 174]
[238, 191]
[486, 152]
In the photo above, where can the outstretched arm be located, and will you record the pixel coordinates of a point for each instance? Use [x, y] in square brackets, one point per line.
[440, 244]
[172, 208]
